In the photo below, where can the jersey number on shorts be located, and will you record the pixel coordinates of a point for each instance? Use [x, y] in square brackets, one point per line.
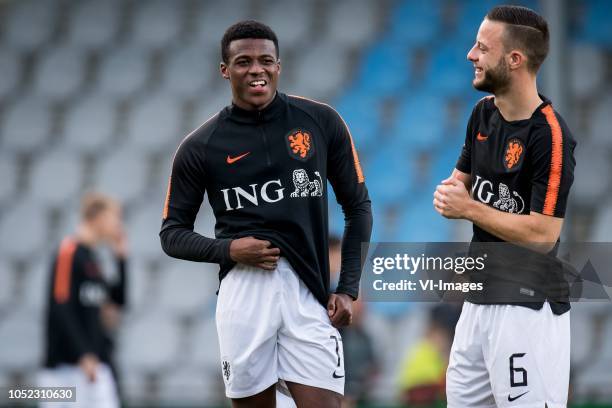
[514, 371]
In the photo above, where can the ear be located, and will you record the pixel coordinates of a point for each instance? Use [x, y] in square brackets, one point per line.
[516, 59]
[224, 69]
[278, 62]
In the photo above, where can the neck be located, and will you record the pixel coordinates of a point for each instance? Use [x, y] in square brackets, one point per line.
[520, 100]
[253, 108]
[86, 235]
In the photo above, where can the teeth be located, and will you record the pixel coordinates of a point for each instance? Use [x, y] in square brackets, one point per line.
[257, 83]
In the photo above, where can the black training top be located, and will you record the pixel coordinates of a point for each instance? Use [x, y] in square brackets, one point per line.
[77, 290]
[265, 175]
[518, 167]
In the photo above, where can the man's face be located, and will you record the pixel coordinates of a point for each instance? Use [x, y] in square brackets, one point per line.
[252, 69]
[108, 222]
[488, 55]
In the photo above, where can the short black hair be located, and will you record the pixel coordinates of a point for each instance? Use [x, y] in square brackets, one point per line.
[246, 29]
[525, 30]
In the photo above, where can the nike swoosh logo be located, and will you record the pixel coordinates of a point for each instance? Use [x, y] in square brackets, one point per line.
[481, 138]
[510, 399]
[336, 375]
[231, 160]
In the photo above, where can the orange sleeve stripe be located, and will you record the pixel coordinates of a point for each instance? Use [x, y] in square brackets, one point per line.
[167, 202]
[63, 271]
[556, 162]
[356, 162]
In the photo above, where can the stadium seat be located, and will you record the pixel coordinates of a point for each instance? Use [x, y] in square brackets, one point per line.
[420, 122]
[10, 71]
[123, 174]
[60, 73]
[90, 125]
[56, 178]
[597, 28]
[94, 24]
[215, 17]
[341, 23]
[290, 19]
[154, 125]
[35, 290]
[205, 332]
[582, 330]
[149, 344]
[602, 224]
[207, 107]
[144, 225]
[321, 71]
[123, 72]
[30, 24]
[7, 283]
[189, 69]
[385, 69]
[586, 58]
[590, 159]
[156, 24]
[10, 174]
[192, 386]
[26, 125]
[415, 23]
[23, 230]
[22, 340]
[599, 119]
[187, 287]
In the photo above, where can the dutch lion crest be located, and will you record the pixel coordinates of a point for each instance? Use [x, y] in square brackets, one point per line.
[300, 144]
[304, 187]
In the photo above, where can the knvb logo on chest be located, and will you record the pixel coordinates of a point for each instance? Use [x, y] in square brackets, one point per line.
[272, 191]
[505, 200]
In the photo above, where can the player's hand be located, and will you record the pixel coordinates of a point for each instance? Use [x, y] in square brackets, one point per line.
[89, 364]
[451, 199]
[340, 309]
[254, 252]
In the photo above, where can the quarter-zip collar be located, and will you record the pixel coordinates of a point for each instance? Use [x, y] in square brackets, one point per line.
[267, 114]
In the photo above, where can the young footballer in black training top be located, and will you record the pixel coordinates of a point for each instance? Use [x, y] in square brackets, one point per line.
[81, 304]
[518, 163]
[264, 162]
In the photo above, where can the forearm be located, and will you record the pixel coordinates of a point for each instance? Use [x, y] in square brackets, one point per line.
[183, 243]
[516, 228]
[357, 230]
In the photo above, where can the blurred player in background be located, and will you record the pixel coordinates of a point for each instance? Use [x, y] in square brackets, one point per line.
[264, 162]
[423, 370]
[518, 161]
[360, 359]
[83, 307]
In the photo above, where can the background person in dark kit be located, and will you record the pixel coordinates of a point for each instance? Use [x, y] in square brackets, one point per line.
[84, 308]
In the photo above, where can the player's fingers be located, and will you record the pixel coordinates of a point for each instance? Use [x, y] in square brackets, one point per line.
[268, 266]
[269, 258]
[270, 252]
[440, 197]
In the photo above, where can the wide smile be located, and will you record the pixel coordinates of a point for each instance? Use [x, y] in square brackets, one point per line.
[258, 84]
[478, 71]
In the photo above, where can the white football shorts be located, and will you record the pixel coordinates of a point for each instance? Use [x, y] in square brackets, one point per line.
[272, 328]
[509, 357]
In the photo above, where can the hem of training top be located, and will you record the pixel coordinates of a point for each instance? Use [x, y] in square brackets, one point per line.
[313, 383]
[540, 404]
[249, 393]
[475, 406]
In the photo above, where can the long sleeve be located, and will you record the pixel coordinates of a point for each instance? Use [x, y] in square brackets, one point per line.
[346, 177]
[65, 299]
[117, 290]
[183, 200]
